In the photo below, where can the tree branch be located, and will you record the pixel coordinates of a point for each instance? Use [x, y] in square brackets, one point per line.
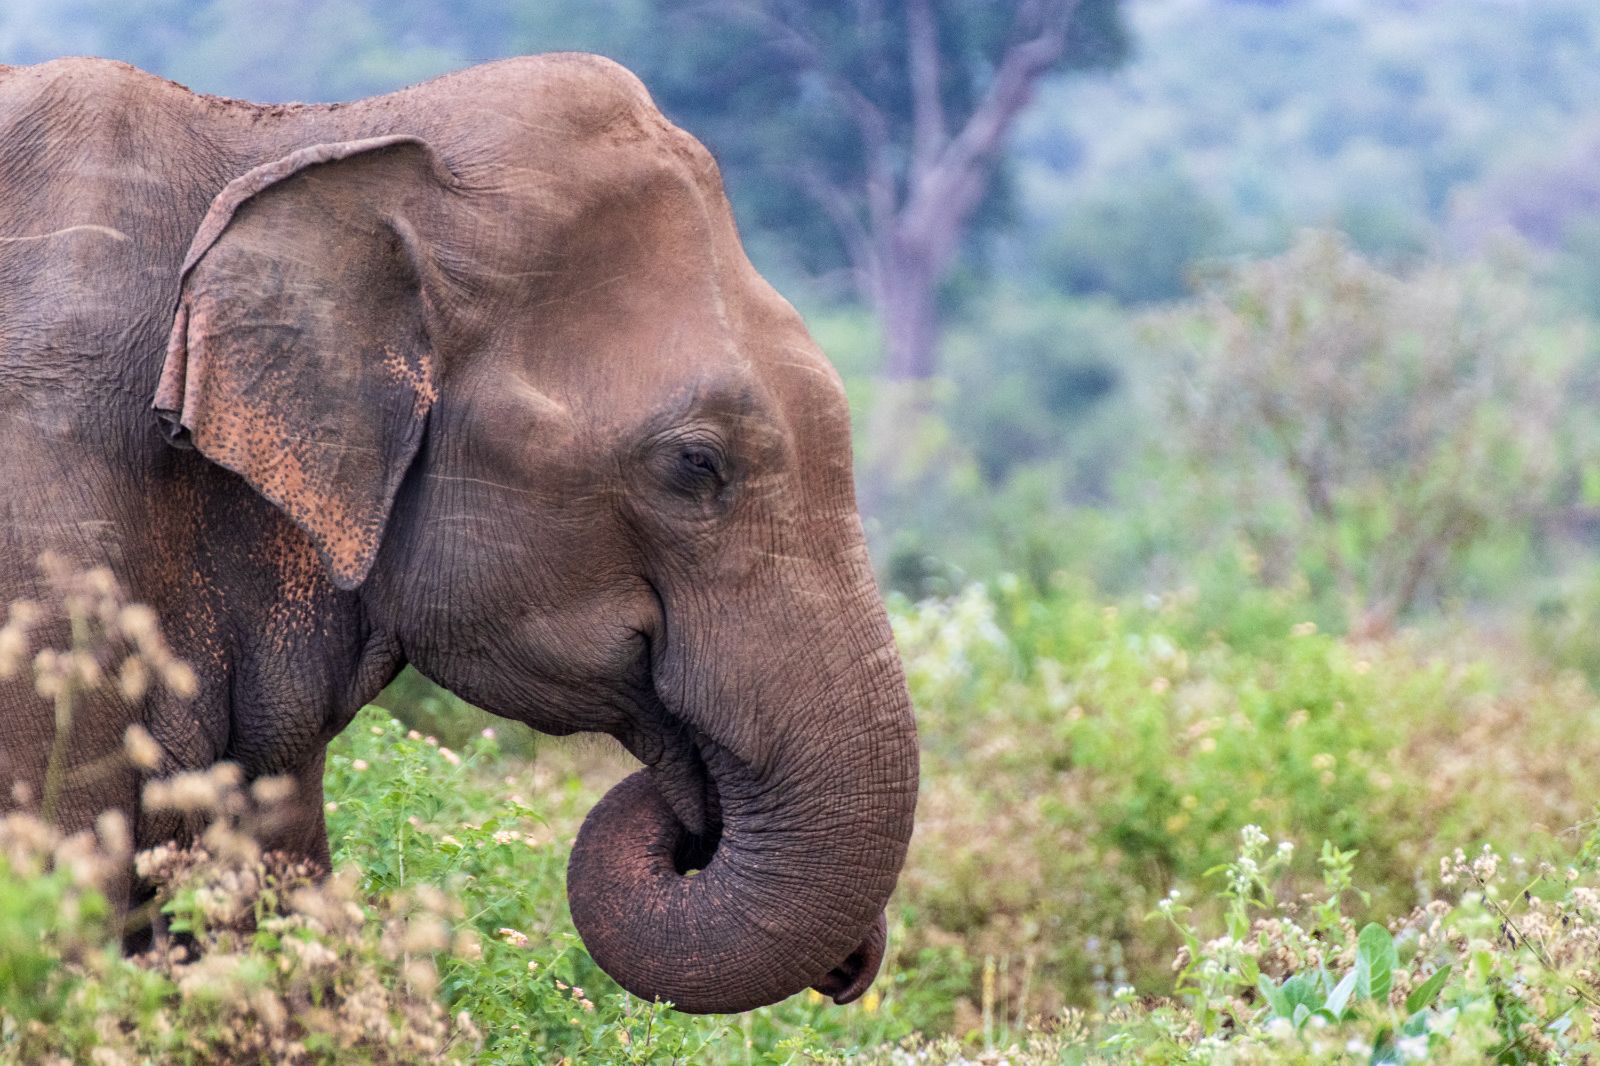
[871, 124]
[941, 201]
[929, 134]
[841, 210]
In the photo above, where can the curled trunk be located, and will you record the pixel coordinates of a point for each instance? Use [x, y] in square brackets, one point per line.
[786, 892]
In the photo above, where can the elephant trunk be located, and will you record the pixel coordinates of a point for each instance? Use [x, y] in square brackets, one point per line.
[787, 889]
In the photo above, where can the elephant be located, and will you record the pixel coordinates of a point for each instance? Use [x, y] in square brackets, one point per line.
[476, 377]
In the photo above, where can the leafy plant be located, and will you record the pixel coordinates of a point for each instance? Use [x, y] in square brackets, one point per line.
[1367, 429]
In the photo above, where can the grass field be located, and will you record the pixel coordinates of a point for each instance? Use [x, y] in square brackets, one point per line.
[1147, 832]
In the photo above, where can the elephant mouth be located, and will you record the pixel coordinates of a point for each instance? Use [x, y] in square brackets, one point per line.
[678, 758]
[690, 790]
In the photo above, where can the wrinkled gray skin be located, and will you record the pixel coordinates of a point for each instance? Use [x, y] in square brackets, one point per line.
[474, 376]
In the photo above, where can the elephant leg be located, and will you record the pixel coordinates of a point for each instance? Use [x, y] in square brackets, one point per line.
[297, 826]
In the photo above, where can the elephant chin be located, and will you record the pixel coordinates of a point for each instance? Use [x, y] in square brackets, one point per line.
[712, 923]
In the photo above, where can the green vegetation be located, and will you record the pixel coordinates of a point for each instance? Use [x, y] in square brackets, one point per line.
[1367, 430]
[1494, 969]
[1077, 887]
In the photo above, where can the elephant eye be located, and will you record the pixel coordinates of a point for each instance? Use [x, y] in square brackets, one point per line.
[693, 466]
[699, 468]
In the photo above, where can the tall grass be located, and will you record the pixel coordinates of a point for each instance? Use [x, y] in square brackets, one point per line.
[1152, 831]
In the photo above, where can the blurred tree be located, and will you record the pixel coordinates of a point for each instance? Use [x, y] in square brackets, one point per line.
[1547, 199]
[889, 119]
[1135, 239]
[1365, 430]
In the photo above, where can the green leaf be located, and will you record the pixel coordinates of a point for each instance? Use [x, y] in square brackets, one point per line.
[1274, 996]
[1323, 981]
[1384, 1048]
[1300, 991]
[1424, 994]
[1339, 998]
[1376, 958]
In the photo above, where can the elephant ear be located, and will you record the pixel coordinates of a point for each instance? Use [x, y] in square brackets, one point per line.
[300, 356]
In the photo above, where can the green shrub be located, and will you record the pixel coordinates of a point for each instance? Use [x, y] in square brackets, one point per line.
[1364, 431]
[1081, 760]
[264, 963]
[1499, 966]
[1088, 771]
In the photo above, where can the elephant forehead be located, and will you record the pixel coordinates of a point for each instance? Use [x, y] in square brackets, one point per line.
[629, 364]
[557, 97]
[619, 281]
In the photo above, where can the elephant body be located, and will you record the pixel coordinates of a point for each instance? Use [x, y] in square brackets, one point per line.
[473, 376]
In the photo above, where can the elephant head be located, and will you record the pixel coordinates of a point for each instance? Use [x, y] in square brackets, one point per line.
[502, 359]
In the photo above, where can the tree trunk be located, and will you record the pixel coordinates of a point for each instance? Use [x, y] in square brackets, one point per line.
[909, 313]
[906, 292]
